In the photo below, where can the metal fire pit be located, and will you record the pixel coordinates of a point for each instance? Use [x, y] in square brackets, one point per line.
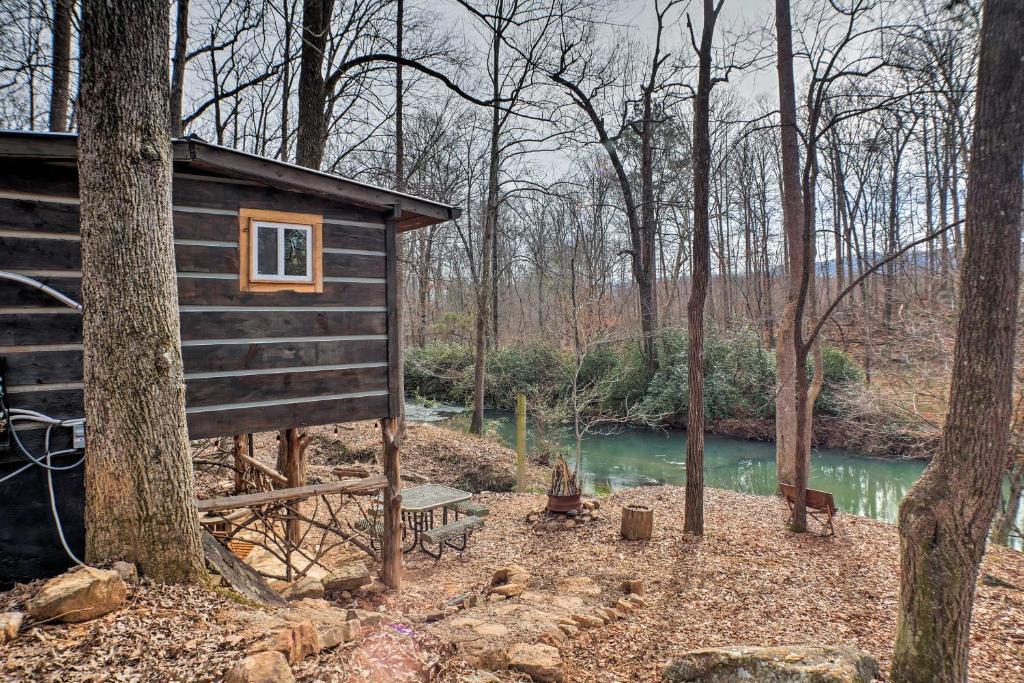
[563, 503]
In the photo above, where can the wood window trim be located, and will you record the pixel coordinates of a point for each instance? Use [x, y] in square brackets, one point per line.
[246, 218]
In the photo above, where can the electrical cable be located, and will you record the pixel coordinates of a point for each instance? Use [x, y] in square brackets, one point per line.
[20, 415]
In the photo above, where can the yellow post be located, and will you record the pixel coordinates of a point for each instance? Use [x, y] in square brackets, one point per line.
[521, 441]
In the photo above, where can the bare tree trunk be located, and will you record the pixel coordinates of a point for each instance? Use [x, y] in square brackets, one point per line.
[178, 68]
[61, 85]
[791, 397]
[694, 523]
[1006, 518]
[490, 216]
[140, 492]
[945, 519]
[312, 124]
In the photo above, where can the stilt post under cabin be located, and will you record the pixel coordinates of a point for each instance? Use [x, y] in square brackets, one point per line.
[240, 448]
[391, 543]
[295, 472]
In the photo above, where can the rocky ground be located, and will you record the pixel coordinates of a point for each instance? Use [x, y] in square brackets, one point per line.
[538, 595]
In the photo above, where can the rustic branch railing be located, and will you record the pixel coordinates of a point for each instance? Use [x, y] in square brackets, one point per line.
[266, 525]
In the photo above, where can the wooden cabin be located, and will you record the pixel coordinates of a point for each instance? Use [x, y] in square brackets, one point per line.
[287, 300]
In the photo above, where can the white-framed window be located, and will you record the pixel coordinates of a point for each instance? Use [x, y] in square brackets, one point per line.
[281, 252]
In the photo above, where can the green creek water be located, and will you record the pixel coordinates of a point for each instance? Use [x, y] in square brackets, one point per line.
[862, 485]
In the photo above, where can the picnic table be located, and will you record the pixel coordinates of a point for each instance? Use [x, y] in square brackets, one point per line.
[419, 505]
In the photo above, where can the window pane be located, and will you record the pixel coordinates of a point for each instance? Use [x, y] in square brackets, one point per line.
[267, 251]
[295, 248]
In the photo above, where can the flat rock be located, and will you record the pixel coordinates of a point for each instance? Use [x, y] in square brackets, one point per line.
[787, 664]
[587, 620]
[333, 636]
[320, 612]
[512, 573]
[488, 629]
[578, 585]
[306, 587]
[348, 578]
[509, 590]
[366, 617]
[263, 667]
[10, 624]
[128, 572]
[540, 662]
[295, 642]
[81, 594]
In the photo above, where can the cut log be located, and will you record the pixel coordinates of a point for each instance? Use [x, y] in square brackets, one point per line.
[238, 575]
[637, 522]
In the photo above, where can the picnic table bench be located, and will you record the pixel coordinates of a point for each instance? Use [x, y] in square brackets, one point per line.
[419, 505]
[821, 506]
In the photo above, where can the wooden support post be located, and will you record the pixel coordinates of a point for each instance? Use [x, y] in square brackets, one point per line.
[239, 450]
[295, 472]
[391, 542]
[521, 442]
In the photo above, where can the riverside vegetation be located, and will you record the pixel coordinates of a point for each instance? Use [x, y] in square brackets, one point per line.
[611, 389]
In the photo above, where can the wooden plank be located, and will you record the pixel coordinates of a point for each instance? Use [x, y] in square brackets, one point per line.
[221, 390]
[33, 253]
[258, 324]
[194, 192]
[350, 265]
[240, 576]
[233, 357]
[221, 292]
[227, 422]
[31, 176]
[63, 404]
[19, 329]
[353, 237]
[197, 259]
[204, 226]
[24, 214]
[44, 367]
[207, 291]
[357, 486]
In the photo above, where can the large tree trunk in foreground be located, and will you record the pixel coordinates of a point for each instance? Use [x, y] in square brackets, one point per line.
[61, 84]
[694, 519]
[140, 494]
[945, 518]
[312, 124]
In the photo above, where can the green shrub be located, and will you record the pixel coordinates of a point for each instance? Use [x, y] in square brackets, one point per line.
[841, 371]
[739, 377]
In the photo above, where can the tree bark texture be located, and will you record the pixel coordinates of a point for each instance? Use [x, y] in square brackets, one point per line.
[694, 514]
[791, 398]
[140, 493]
[312, 124]
[944, 520]
[61, 85]
[490, 218]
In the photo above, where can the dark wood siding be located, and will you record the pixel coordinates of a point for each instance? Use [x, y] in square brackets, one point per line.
[253, 361]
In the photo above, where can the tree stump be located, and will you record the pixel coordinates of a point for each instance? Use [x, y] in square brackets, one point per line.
[637, 522]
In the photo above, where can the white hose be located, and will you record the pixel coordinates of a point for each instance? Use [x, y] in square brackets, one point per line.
[66, 300]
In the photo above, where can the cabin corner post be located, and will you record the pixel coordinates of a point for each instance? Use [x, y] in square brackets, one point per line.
[391, 541]
[391, 427]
